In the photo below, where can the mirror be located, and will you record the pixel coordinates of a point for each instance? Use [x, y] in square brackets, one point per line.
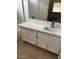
[44, 9]
[38, 9]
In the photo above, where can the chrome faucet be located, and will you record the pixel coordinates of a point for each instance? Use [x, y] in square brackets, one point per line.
[53, 24]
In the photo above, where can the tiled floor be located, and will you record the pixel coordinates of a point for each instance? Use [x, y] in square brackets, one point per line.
[28, 51]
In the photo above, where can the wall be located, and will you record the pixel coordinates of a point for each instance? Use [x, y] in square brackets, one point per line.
[20, 17]
[26, 10]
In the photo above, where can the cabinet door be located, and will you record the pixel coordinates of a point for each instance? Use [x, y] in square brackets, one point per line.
[42, 39]
[41, 42]
[24, 34]
[32, 36]
[54, 44]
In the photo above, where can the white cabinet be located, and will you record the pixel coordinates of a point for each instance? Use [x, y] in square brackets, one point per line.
[24, 34]
[28, 35]
[32, 36]
[42, 40]
[54, 44]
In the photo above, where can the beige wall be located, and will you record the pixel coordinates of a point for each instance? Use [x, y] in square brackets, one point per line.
[20, 17]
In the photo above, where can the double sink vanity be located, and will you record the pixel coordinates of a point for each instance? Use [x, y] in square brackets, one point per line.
[41, 34]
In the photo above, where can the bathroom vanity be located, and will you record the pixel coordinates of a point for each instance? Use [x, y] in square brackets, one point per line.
[34, 32]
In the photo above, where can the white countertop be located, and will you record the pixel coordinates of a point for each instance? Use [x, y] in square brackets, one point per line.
[40, 25]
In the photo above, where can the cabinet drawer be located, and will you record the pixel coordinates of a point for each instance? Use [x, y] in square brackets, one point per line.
[42, 35]
[23, 29]
[54, 38]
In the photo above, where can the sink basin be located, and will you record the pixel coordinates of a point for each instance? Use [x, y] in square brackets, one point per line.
[35, 25]
[56, 29]
[49, 28]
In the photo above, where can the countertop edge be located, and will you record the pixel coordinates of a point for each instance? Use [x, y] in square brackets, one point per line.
[47, 32]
